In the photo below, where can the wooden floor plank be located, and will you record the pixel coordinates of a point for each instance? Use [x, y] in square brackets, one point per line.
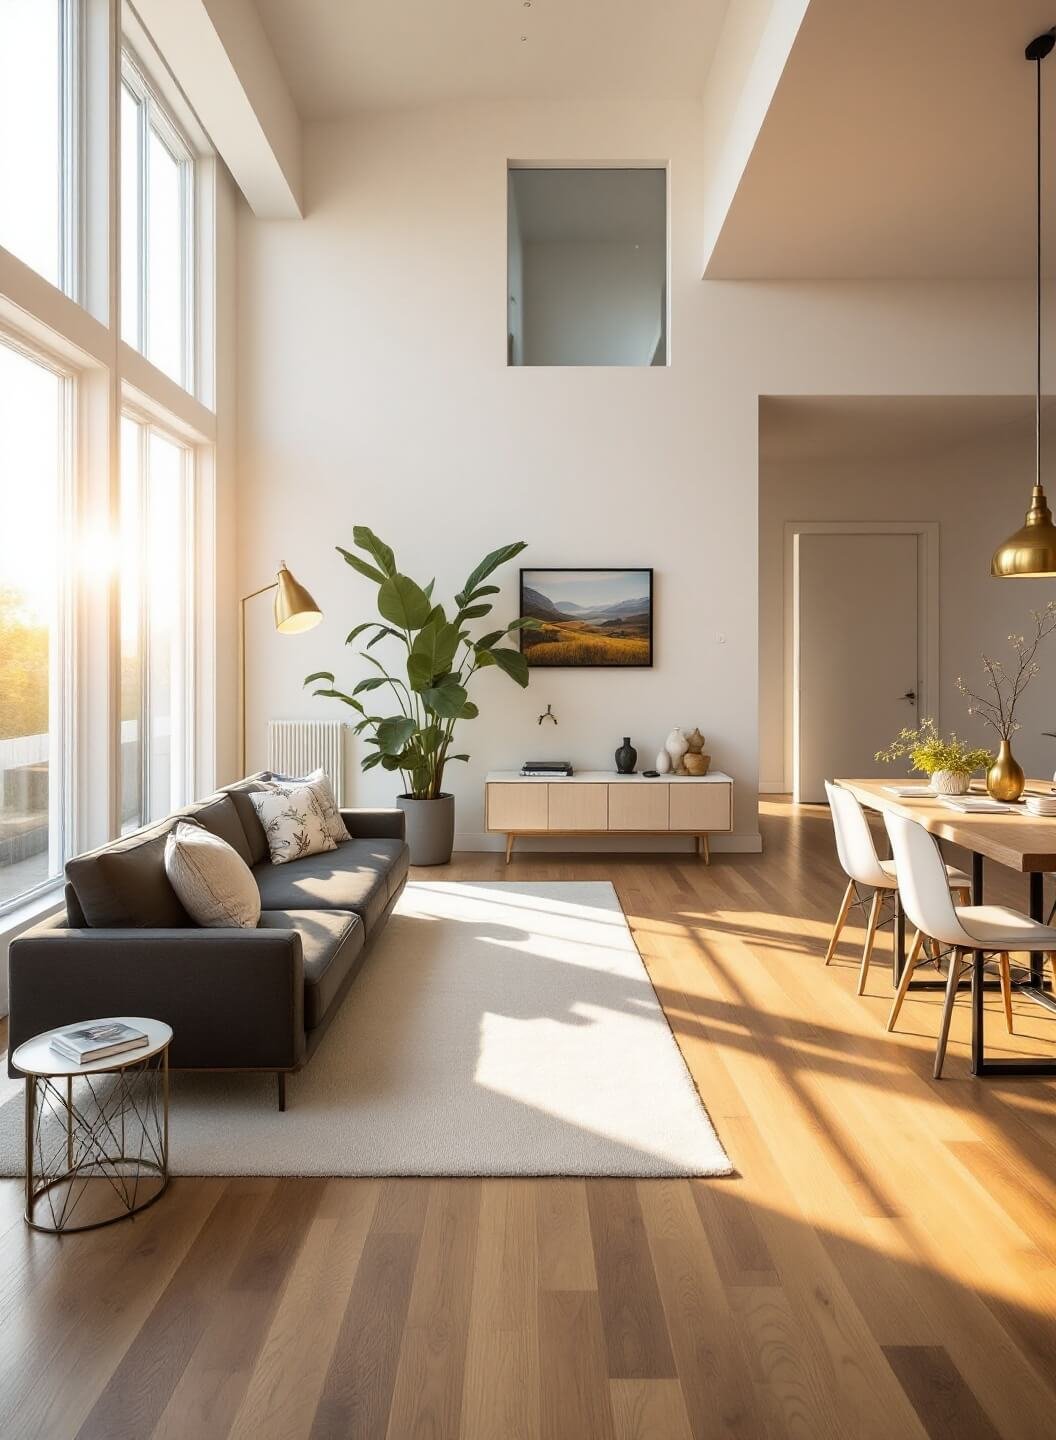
[427, 1398]
[938, 1390]
[635, 1326]
[649, 1410]
[287, 1380]
[357, 1392]
[718, 1394]
[566, 1252]
[501, 1389]
[574, 1382]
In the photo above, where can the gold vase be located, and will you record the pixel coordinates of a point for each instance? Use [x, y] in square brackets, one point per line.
[1005, 779]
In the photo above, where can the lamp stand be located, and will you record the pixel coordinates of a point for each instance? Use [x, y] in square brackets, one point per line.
[264, 589]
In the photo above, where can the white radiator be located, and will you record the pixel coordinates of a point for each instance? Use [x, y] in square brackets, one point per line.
[297, 747]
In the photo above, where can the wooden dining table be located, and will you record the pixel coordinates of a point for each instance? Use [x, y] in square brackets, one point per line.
[1018, 840]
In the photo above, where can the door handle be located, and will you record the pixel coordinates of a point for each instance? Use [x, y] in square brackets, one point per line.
[910, 695]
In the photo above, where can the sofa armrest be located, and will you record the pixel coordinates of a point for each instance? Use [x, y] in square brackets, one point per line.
[375, 824]
[234, 998]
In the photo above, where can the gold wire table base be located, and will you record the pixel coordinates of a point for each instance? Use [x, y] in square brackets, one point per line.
[110, 1139]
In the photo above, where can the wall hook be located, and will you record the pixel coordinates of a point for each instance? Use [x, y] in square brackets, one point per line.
[548, 714]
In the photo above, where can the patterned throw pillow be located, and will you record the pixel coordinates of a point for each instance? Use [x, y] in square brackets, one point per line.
[318, 781]
[293, 822]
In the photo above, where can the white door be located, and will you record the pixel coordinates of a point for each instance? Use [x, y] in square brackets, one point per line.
[857, 639]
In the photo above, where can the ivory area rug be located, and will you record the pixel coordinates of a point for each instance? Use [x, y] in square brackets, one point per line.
[495, 1029]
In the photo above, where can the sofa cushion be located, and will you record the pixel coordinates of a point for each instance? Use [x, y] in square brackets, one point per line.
[124, 883]
[332, 942]
[360, 875]
[219, 815]
[240, 792]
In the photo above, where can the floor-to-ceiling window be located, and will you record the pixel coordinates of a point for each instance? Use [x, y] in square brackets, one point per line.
[157, 519]
[35, 669]
[157, 187]
[101, 585]
[38, 100]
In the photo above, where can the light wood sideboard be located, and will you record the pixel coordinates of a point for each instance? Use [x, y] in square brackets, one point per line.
[599, 802]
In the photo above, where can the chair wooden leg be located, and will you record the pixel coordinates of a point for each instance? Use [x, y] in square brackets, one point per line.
[903, 984]
[1006, 987]
[957, 965]
[870, 938]
[280, 1076]
[841, 920]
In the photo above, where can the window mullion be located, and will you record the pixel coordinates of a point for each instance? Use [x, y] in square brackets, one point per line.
[145, 736]
[144, 212]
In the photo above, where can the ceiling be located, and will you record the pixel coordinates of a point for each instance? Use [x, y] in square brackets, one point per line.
[801, 429]
[575, 204]
[900, 143]
[339, 56]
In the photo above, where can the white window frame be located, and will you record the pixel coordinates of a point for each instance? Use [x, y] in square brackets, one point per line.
[155, 116]
[62, 657]
[71, 148]
[77, 330]
[149, 424]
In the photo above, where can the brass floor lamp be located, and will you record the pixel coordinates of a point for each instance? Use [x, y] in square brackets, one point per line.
[295, 611]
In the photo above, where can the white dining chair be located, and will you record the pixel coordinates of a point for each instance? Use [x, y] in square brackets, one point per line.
[864, 868]
[996, 930]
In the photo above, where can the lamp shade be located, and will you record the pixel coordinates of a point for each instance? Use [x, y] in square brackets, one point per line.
[1030, 553]
[295, 610]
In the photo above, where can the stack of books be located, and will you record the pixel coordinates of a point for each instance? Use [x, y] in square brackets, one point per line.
[97, 1041]
[550, 768]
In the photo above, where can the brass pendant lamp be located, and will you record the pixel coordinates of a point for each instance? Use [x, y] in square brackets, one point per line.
[1031, 552]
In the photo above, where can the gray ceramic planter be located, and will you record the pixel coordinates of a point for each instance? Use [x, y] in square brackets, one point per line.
[430, 828]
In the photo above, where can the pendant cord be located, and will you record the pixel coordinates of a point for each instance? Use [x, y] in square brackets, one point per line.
[1037, 388]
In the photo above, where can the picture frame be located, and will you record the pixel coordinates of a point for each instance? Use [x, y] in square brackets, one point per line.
[591, 618]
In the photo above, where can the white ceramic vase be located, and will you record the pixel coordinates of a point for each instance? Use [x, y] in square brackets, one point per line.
[676, 746]
[950, 782]
[663, 762]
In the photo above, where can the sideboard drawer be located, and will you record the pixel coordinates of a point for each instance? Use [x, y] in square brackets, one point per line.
[638, 807]
[579, 807]
[700, 807]
[517, 807]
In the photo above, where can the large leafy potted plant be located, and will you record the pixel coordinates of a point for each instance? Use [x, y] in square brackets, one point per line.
[948, 762]
[438, 658]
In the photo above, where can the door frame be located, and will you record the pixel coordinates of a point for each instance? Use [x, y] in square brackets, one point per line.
[927, 532]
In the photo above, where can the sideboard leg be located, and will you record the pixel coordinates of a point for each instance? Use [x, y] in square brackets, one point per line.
[509, 846]
[704, 849]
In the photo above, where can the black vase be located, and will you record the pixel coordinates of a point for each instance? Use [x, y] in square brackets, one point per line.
[626, 757]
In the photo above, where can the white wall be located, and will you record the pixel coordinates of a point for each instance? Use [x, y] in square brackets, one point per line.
[373, 387]
[590, 298]
[971, 494]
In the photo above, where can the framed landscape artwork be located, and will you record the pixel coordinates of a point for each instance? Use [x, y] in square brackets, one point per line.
[588, 617]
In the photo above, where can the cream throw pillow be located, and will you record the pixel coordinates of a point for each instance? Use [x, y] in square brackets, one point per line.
[293, 821]
[214, 884]
[319, 781]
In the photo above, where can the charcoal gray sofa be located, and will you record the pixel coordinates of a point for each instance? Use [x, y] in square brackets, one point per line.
[236, 999]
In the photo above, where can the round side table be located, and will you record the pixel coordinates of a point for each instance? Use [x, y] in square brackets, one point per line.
[97, 1135]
